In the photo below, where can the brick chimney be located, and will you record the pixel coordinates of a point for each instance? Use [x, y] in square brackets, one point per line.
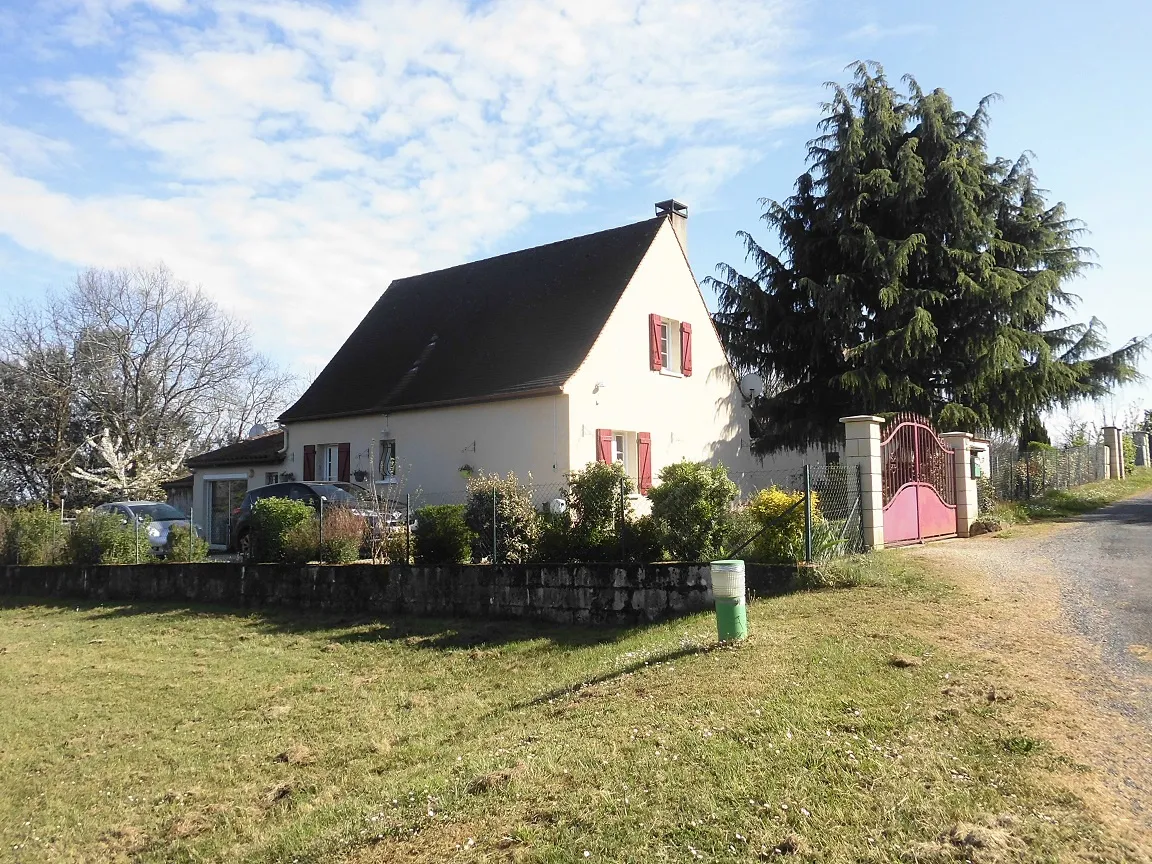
[678, 215]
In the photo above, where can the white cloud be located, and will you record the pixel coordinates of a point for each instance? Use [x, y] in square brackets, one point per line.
[312, 153]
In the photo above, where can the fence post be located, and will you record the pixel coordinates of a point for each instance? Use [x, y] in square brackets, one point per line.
[320, 551]
[493, 523]
[136, 535]
[862, 449]
[807, 514]
[407, 527]
[620, 524]
[191, 531]
[859, 503]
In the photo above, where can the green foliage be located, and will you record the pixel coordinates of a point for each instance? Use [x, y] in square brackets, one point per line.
[917, 273]
[986, 494]
[271, 520]
[692, 504]
[184, 545]
[1128, 448]
[593, 496]
[555, 541]
[780, 515]
[644, 540]
[32, 537]
[1033, 431]
[442, 535]
[344, 535]
[300, 543]
[103, 538]
[517, 522]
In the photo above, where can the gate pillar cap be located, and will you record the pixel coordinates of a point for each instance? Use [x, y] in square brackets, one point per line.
[957, 435]
[857, 418]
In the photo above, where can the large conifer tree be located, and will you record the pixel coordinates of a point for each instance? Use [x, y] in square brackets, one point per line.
[915, 274]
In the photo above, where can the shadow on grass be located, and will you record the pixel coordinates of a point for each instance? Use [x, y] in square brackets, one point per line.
[440, 634]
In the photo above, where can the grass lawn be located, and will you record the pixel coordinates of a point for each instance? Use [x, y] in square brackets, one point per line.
[1066, 503]
[151, 733]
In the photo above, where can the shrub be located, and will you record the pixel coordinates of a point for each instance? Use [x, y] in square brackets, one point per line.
[643, 540]
[593, 497]
[517, 527]
[271, 520]
[783, 538]
[33, 537]
[442, 536]
[555, 540]
[693, 504]
[301, 542]
[985, 494]
[1128, 452]
[185, 545]
[344, 533]
[103, 538]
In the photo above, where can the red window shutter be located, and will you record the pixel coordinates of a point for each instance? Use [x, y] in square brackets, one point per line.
[604, 445]
[654, 359]
[344, 462]
[309, 472]
[686, 348]
[644, 460]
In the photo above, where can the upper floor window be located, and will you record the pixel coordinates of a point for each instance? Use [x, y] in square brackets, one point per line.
[670, 345]
[388, 458]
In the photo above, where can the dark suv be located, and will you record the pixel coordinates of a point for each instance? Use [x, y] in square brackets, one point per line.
[337, 494]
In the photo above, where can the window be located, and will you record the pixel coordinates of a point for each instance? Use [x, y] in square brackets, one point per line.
[271, 477]
[388, 458]
[329, 463]
[670, 345]
[633, 450]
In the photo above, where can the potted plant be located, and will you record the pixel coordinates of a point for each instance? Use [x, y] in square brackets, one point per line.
[466, 471]
[360, 476]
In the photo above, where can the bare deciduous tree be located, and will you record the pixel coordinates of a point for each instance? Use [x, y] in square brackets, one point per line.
[152, 365]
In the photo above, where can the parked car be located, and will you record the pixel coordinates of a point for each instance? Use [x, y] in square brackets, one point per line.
[356, 498]
[155, 517]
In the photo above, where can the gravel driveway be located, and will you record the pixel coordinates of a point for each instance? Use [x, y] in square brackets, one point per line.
[1090, 578]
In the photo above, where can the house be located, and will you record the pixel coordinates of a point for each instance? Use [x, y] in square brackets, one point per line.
[598, 347]
[222, 477]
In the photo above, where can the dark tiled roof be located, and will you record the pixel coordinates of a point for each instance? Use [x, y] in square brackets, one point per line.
[261, 450]
[178, 483]
[514, 325]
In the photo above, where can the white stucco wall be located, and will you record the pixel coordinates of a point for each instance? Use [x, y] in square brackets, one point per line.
[701, 417]
[527, 436]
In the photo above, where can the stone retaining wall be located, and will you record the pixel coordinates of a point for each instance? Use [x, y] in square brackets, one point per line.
[565, 593]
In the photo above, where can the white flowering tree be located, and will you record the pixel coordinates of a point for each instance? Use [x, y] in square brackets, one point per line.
[130, 473]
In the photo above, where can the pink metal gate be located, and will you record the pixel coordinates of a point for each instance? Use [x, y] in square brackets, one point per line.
[919, 482]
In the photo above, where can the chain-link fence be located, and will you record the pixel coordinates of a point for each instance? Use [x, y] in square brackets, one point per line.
[809, 513]
[824, 522]
[1017, 476]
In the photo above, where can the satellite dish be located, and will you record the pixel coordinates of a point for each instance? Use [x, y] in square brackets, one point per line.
[257, 430]
[751, 386]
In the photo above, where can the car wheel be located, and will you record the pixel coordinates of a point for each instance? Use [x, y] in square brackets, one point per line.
[244, 545]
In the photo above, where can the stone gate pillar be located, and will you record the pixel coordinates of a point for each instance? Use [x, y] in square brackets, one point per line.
[862, 448]
[967, 498]
[1113, 438]
[1140, 439]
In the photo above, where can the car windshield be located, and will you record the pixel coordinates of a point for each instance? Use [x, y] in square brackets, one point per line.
[157, 512]
[348, 494]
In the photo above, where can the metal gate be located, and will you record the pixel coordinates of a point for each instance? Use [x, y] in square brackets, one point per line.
[919, 481]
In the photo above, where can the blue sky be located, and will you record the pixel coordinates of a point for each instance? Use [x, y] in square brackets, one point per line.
[295, 157]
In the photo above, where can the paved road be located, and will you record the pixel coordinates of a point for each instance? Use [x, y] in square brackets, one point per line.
[1105, 563]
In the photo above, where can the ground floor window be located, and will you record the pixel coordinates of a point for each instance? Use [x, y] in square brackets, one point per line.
[271, 477]
[328, 463]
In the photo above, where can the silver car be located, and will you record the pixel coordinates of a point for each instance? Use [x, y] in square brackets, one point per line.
[155, 517]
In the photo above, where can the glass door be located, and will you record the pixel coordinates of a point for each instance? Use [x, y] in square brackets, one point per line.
[224, 496]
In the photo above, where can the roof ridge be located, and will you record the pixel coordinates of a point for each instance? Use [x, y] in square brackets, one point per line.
[530, 249]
